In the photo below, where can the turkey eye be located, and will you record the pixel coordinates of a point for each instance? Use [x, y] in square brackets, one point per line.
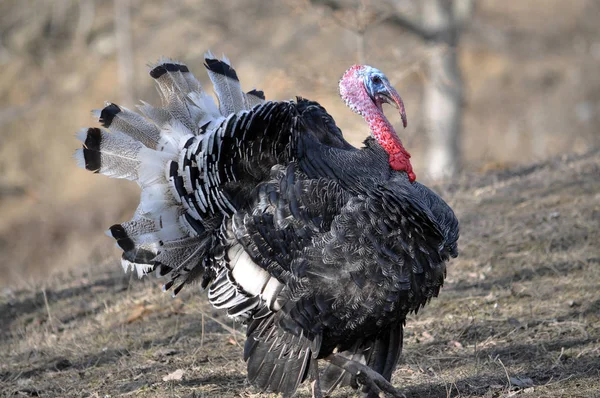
[376, 79]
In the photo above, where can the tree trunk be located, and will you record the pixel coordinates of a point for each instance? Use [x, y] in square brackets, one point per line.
[444, 91]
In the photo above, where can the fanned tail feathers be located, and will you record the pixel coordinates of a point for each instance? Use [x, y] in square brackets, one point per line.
[172, 230]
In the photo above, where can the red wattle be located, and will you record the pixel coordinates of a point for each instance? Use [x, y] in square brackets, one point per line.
[385, 135]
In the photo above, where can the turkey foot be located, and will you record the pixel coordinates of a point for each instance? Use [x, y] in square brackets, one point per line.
[314, 377]
[365, 376]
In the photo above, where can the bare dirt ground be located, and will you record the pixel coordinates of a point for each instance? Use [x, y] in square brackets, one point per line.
[519, 315]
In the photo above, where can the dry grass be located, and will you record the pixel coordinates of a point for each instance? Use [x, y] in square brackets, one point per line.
[520, 314]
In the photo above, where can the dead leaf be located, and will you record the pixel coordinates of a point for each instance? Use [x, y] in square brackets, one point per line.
[176, 375]
[455, 343]
[136, 313]
[427, 336]
[139, 312]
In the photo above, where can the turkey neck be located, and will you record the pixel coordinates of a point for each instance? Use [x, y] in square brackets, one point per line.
[386, 137]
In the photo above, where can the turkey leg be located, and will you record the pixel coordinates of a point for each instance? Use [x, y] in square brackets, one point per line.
[365, 375]
[314, 377]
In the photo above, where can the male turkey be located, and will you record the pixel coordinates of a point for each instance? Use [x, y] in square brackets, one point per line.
[321, 248]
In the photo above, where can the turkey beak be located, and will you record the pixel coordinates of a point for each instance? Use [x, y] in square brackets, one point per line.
[393, 98]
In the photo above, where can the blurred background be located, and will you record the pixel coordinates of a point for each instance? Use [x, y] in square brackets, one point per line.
[487, 85]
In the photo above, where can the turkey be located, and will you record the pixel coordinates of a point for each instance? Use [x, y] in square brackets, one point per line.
[320, 248]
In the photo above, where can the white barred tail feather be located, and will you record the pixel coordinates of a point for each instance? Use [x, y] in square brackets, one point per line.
[167, 233]
[254, 97]
[120, 119]
[226, 83]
